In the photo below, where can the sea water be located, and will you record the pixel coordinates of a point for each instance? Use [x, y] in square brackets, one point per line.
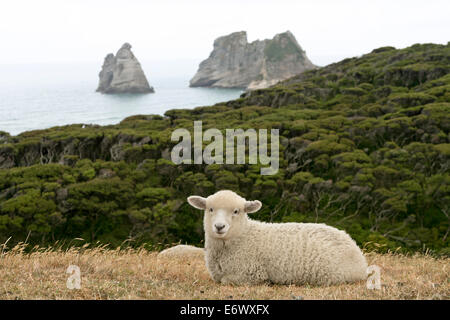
[39, 96]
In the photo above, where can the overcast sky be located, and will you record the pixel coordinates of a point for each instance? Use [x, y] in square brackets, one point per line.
[85, 31]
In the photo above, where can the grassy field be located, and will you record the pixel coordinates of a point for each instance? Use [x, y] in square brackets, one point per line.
[139, 274]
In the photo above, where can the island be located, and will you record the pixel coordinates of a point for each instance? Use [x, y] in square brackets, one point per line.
[123, 73]
[235, 63]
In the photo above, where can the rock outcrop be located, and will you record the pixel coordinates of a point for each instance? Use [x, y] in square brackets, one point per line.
[122, 73]
[235, 63]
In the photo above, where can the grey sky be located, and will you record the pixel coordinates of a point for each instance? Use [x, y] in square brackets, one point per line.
[78, 31]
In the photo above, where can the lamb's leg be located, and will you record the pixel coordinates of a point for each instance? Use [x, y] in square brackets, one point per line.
[216, 276]
[214, 268]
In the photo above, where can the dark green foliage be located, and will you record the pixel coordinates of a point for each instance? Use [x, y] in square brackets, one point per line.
[365, 147]
[275, 51]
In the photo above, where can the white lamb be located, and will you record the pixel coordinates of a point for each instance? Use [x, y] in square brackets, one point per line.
[244, 251]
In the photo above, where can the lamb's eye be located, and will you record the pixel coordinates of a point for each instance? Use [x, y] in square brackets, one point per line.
[211, 210]
[236, 211]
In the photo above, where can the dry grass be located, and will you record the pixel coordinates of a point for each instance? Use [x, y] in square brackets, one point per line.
[138, 274]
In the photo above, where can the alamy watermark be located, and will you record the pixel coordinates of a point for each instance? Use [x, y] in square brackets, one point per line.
[257, 143]
[373, 277]
[74, 281]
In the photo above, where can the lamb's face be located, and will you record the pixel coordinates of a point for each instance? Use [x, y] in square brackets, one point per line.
[225, 213]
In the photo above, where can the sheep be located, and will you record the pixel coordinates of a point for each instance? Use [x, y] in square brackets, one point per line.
[182, 251]
[242, 251]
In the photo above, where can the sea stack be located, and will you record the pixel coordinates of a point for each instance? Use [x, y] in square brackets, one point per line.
[122, 73]
[235, 63]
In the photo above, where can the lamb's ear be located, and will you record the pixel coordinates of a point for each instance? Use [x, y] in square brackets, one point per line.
[197, 202]
[252, 206]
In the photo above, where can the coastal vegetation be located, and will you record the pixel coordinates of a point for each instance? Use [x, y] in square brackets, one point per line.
[364, 147]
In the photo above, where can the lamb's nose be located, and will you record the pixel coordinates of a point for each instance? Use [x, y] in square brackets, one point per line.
[219, 226]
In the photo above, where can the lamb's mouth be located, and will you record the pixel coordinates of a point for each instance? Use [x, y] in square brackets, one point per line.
[220, 233]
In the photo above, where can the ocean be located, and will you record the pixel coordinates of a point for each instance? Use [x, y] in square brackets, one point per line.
[39, 96]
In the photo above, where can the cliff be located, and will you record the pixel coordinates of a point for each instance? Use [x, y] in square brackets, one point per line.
[122, 73]
[235, 63]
